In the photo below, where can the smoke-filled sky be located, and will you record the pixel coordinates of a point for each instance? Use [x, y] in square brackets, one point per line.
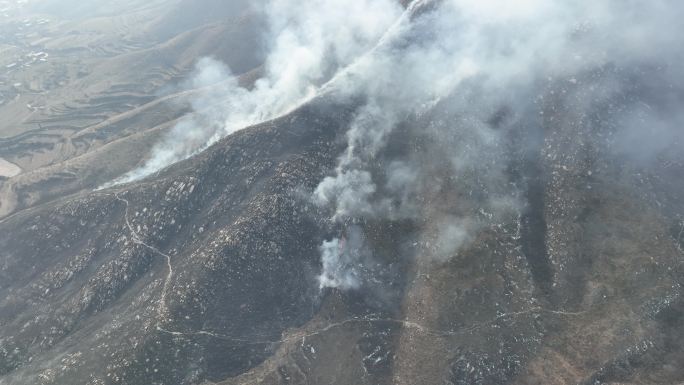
[459, 73]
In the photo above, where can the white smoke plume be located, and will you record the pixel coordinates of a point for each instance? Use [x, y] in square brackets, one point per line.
[476, 57]
[345, 261]
[441, 70]
[309, 42]
[336, 272]
[349, 264]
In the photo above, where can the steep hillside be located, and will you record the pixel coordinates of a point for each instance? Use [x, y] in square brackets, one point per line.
[438, 192]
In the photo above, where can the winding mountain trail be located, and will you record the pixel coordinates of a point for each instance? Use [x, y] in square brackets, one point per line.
[162, 310]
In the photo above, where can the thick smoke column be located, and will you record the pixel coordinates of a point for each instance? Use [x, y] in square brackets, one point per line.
[310, 41]
[463, 62]
[345, 261]
[461, 75]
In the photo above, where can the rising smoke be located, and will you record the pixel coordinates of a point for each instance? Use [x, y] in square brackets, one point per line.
[464, 74]
[456, 79]
[345, 261]
[310, 41]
